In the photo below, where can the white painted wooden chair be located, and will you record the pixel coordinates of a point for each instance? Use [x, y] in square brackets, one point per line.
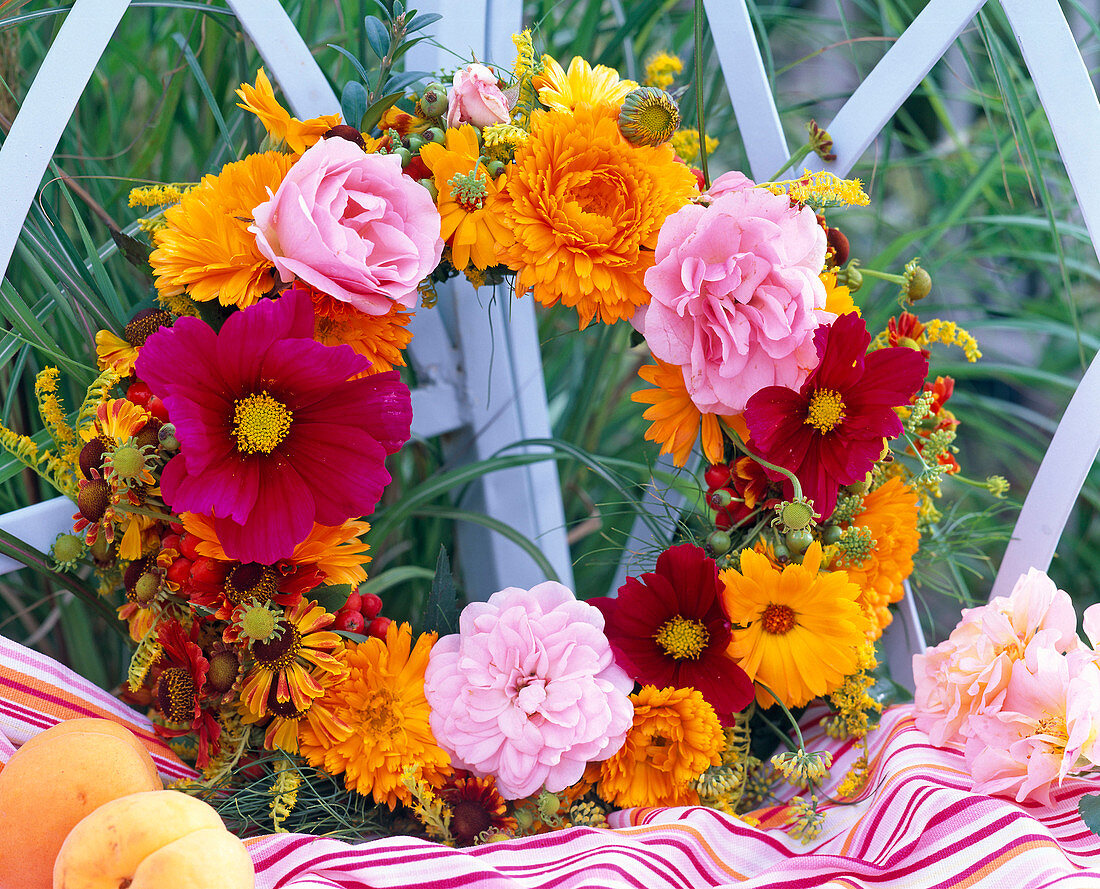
[452, 397]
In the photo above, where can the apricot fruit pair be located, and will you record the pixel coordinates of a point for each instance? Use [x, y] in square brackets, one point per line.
[160, 839]
[53, 781]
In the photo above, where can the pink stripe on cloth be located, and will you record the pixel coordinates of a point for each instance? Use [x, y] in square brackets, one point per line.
[918, 827]
[37, 692]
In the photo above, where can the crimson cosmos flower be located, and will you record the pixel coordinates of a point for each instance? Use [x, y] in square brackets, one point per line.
[275, 433]
[667, 628]
[830, 432]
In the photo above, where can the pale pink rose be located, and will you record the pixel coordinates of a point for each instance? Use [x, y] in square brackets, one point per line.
[528, 691]
[475, 98]
[1083, 712]
[1022, 748]
[736, 296]
[351, 225]
[728, 183]
[969, 672]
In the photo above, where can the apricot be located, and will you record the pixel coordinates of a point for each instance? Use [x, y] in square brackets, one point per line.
[52, 782]
[157, 840]
[103, 726]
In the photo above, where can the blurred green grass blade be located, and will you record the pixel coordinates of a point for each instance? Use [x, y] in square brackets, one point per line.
[504, 530]
[207, 93]
[81, 647]
[395, 576]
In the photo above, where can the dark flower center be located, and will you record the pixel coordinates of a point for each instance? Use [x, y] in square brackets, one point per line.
[278, 652]
[682, 637]
[144, 324]
[778, 619]
[260, 423]
[826, 410]
[250, 581]
[176, 695]
[468, 819]
[93, 499]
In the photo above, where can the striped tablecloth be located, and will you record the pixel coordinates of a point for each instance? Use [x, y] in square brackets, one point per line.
[917, 825]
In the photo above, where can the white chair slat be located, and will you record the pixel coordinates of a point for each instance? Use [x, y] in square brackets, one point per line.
[894, 78]
[274, 35]
[747, 85]
[49, 103]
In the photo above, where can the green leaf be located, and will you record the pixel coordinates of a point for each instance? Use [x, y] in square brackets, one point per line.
[208, 94]
[378, 36]
[133, 251]
[422, 21]
[441, 609]
[1089, 807]
[353, 102]
[375, 112]
[360, 70]
[331, 597]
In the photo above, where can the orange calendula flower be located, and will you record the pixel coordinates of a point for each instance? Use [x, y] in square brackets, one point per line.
[675, 737]
[282, 663]
[675, 421]
[890, 512]
[468, 200]
[561, 90]
[378, 338]
[206, 249]
[797, 630]
[382, 702]
[585, 207]
[336, 552]
[279, 123]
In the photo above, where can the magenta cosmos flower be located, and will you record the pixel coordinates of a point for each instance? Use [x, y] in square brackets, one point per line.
[528, 690]
[274, 432]
[667, 627]
[830, 432]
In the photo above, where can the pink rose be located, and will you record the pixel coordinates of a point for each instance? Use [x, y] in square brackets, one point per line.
[474, 97]
[969, 672]
[352, 226]
[528, 690]
[728, 183]
[736, 295]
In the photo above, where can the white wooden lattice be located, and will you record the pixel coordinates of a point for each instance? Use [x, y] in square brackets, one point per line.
[1049, 51]
[482, 387]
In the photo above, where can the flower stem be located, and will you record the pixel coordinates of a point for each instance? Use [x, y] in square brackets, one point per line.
[782, 470]
[790, 715]
[883, 276]
[795, 158]
[699, 93]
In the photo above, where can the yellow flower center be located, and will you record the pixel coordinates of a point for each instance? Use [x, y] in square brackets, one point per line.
[260, 423]
[656, 119]
[259, 623]
[683, 638]
[778, 619]
[826, 410]
[1054, 726]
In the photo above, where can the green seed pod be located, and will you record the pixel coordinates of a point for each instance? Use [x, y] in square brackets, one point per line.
[719, 543]
[799, 541]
